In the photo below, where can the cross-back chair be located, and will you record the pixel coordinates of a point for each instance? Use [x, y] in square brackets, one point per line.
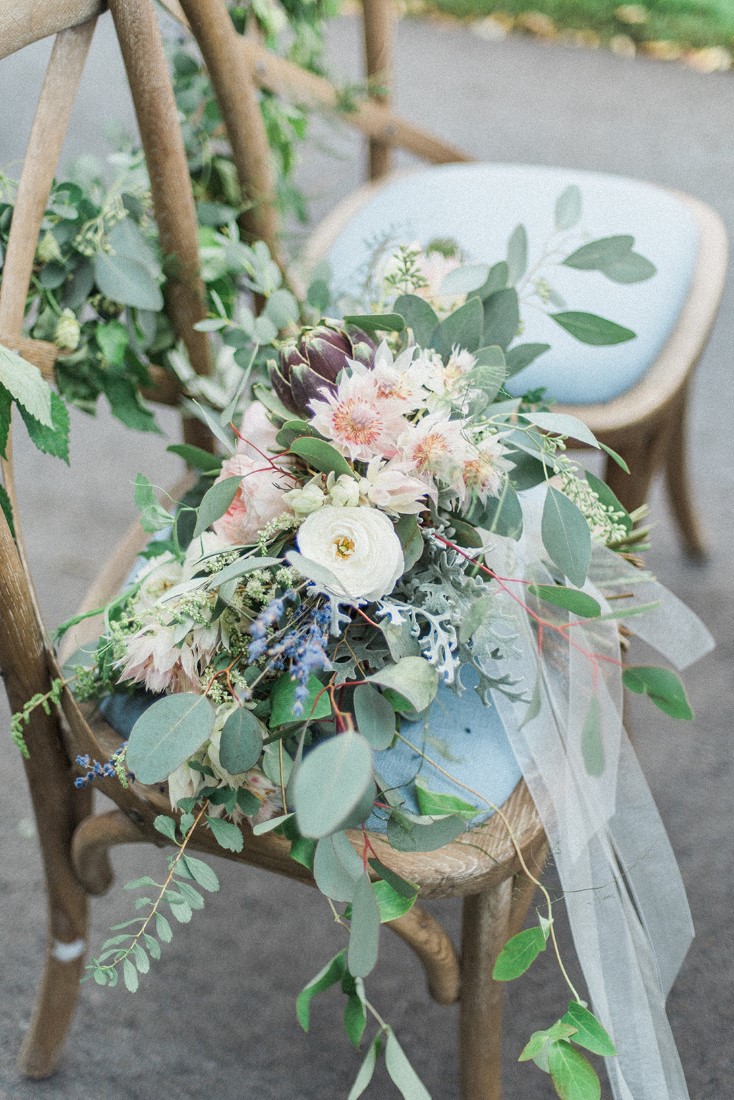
[483, 868]
[634, 400]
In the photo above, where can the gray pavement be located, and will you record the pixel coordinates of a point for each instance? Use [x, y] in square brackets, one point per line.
[216, 1018]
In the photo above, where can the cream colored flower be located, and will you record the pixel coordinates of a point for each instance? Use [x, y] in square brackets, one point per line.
[358, 546]
[343, 490]
[306, 498]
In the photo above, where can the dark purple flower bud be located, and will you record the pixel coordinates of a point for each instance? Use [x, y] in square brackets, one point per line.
[314, 362]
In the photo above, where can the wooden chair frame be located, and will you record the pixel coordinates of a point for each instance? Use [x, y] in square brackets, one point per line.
[485, 868]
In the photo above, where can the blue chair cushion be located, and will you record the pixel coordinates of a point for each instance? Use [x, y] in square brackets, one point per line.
[479, 205]
[459, 733]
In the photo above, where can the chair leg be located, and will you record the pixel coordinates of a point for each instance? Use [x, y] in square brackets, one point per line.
[678, 484]
[486, 924]
[642, 455]
[58, 809]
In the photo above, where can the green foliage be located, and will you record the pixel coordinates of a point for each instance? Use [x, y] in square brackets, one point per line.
[46, 701]
[241, 741]
[331, 783]
[317, 704]
[411, 683]
[519, 954]
[365, 929]
[662, 687]
[375, 716]
[566, 536]
[167, 734]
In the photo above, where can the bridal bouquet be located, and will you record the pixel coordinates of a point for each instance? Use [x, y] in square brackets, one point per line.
[388, 532]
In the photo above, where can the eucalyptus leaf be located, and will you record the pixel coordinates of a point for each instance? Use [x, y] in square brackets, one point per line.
[500, 515]
[662, 687]
[463, 280]
[597, 254]
[566, 536]
[331, 782]
[215, 503]
[411, 539]
[632, 268]
[501, 317]
[462, 328]
[435, 804]
[522, 355]
[402, 1074]
[330, 975]
[400, 885]
[127, 281]
[375, 716]
[590, 329]
[355, 1019]
[405, 835]
[568, 208]
[570, 599]
[562, 424]
[167, 734]
[365, 929]
[367, 1069]
[592, 746]
[316, 705]
[412, 679]
[336, 867]
[196, 457]
[418, 316]
[241, 741]
[321, 455]
[240, 568]
[517, 255]
[376, 322]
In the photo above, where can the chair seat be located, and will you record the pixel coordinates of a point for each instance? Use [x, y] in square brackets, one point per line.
[479, 205]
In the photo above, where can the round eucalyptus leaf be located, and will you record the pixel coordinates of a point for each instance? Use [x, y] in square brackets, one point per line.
[167, 734]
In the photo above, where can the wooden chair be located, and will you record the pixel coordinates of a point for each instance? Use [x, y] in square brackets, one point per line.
[482, 867]
[646, 424]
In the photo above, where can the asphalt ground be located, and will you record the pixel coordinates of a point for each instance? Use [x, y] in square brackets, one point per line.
[217, 1016]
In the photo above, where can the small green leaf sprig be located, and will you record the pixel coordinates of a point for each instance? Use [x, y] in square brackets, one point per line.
[47, 701]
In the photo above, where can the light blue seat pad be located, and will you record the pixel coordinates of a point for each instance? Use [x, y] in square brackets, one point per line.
[479, 205]
[460, 733]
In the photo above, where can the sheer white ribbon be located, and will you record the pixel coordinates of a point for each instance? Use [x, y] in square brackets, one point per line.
[625, 898]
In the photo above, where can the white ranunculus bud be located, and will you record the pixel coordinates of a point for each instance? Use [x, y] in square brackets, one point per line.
[309, 498]
[358, 546]
[344, 492]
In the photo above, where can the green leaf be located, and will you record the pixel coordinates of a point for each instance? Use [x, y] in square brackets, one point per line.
[163, 929]
[462, 328]
[153, 516]
[590, 329]
[166, 826]
[303, 851]
[26, 385]
[355, 1019]
[294, 429]
[140, 958]
[592, 746]
[215, 503]
[51, 441]
[500, 515]
[570, 599]
[6, 405]
[562, 424]
[536, 1049]
[609, 500]
[464, 280]
[517, 255]
[320, 455]
[522, 355]
[201, 872]
[391, 904]
[319, 295]
[367, 1069]
[167, 734]
[475, 615]
[180, 909]
[501, 317]
[411, 539]
[126, 404]
[364, 933]
[336, 867]
[402, 1074]
[615, 457]
[112, 340]
[330, 975]
[376, 322]
[597, 254]
[434, 804]
[589, 1032]
[566, 536]
[662, 686]
[568, 208]
[127, 240]
[418, 316]
[400, 885]
[127, 281]
[239, 568]
[632, 268]
[496, 280]
[241, 742]
[519, 954]
[196, 458]
[282, 308]
[226, 834]
[331, 782]
[405, 835]
[130, 975]
[412, 679]
[573, 1076]
[283, 697]
[375, 716]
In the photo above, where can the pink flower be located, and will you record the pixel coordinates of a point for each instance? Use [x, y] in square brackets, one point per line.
[259, 499]
[437, 448]
[388, 486]
[257, 432]
[358, 421]
[159, 660]
[400, 380]
[485, 471]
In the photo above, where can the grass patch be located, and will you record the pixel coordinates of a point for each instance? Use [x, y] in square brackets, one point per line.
[693, 24]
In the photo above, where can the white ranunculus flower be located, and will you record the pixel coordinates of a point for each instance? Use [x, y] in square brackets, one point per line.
[358, 546]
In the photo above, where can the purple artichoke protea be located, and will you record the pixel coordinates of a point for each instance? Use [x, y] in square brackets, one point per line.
[314, 361]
